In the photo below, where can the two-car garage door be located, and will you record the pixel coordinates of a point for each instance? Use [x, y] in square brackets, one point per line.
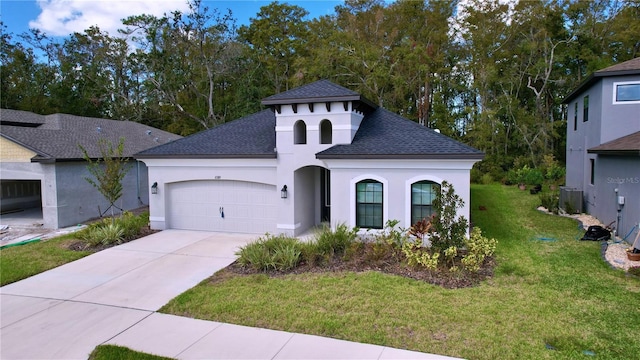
[222, 205]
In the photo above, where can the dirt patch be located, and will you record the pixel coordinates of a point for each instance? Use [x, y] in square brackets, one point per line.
[370, 258]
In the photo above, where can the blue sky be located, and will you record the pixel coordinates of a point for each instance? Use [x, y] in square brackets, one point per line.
[63, 17]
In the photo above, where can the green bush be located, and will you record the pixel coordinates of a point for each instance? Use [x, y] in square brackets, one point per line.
[448, 229]
[133, 224]
[550, 200]
[111, 231]
[478, 248]
[534, 177]
[278, 253]
[330, 242]
[104, 232]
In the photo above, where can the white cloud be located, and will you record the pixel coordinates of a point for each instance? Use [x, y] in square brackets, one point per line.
[63, 17]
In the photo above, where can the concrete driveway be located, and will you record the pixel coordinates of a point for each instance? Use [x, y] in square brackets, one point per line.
[112, 297]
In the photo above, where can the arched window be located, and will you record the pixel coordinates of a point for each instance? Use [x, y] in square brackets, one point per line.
[300, 132]
[422, 195]
[326, 130]
[369, 204]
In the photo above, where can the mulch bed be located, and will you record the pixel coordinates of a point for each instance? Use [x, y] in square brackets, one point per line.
[370, 258]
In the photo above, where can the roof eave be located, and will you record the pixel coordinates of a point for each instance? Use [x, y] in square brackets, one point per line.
[593, 78]
[633, 152]
[205, 156]
[461, 156]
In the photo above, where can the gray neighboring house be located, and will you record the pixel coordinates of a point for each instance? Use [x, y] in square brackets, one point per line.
[319, 153]
[43, 167]
[603, 145]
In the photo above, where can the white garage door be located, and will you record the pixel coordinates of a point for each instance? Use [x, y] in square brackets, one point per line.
[247, 207]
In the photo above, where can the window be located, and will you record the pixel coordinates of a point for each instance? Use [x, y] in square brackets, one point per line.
[575, 116]
[369, 204]
[585, 109]
[626, 93]
[325, 132]
[593, 171]
[422, 195]
[300, 132]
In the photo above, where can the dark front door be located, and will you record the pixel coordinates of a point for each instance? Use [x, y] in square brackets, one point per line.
[325, 195]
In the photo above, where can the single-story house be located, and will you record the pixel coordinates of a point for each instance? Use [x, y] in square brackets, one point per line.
[603, 146]
[42, 165]
[319, 153]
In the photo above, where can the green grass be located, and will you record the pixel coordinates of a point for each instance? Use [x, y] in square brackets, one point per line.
[112, 352]
[20, 262]
[557, 293]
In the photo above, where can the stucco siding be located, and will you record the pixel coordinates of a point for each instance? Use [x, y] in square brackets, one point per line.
[623, 174]
[397, 177]
[168, 171]
[619, 119]
[78, 201]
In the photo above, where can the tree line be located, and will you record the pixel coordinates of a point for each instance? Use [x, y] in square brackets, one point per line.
[488, 73]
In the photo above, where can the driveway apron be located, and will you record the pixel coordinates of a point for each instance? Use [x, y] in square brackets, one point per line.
[64, 313]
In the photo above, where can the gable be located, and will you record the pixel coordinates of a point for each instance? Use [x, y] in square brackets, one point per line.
[12, 152]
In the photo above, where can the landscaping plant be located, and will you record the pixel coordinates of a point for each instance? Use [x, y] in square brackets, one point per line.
[447, 228]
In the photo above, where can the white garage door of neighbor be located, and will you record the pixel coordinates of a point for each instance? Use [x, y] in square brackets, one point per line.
[248, 207]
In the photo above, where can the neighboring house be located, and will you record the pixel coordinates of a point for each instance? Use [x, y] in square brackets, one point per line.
[603, 144]
[42, 165]
[320, 153]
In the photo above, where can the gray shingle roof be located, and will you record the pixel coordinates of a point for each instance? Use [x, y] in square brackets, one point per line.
[253, 136]
[58, 135]
[630, 67]
[383, 134]
[319, 91]
[626, 145]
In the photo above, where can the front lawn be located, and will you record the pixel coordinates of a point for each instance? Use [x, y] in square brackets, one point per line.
[20, 262]
[112, 352]
[547, 300]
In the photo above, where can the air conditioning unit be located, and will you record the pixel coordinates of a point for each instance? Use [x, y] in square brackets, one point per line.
[571, 200]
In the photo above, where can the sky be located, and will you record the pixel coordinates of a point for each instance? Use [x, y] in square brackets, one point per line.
[63, 17]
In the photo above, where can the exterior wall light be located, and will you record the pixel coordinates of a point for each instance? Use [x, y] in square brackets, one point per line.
[283, 192]
[154, 188]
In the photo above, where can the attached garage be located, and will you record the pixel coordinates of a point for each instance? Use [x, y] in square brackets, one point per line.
[222, 205]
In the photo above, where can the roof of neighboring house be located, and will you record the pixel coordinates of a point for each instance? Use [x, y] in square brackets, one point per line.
[252, 136]
[319, 91]
[630, 67]
[382, 134]
[626, 145]
[57, 137]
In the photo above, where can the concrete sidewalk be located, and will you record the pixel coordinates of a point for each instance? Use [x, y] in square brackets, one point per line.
[111, 297]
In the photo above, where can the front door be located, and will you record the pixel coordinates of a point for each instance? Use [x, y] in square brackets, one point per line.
[325, 195]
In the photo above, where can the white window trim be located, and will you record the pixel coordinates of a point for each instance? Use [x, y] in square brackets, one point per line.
[407, 194]
[615, 88]
[352, 198]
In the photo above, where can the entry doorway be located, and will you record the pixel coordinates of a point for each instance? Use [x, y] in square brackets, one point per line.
[325, 195]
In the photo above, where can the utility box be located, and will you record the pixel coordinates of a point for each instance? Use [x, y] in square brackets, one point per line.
[570, 200]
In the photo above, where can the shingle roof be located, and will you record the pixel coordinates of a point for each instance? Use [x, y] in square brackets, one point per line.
[252, 136]
[626, 145]
[630, 67]
[319, 91]
[56, 137]
[383, 134]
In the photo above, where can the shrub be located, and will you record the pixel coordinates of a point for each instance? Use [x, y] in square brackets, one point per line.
[448, 229]
[104, 232]
[486, 179]
[550, 200]
[132, 224]
[330, 242]
[271, 253]
[416, 255]
[634, 270]
[478, 248]
[534, 177]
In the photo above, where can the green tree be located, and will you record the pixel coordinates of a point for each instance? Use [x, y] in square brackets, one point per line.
[108, 171]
